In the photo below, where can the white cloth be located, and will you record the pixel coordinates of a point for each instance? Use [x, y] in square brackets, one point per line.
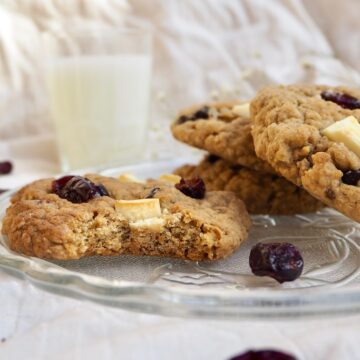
[203, 49]
[41, 326]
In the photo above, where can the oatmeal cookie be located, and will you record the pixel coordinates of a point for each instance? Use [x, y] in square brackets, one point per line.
[289, 127]
[150, 218]
[262, 193]
[221, 130]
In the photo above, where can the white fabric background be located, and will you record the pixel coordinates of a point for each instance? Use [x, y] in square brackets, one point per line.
[204, 49]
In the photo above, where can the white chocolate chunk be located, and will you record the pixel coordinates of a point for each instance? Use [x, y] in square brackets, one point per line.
[209, 238]
[346, 131]
[141, 209]
[170, 178]
[242, 110]
[156, 223]
[126, 178]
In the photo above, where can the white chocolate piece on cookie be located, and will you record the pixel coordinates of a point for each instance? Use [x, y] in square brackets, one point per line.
[155, 224]
[242, 110]
[140, 209]
[346, 131]
[129, 178]
[170, 178]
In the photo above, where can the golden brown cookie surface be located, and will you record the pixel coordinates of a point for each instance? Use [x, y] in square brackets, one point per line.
[262, 193]
[218, 129]
[40, 223]
[288, 132]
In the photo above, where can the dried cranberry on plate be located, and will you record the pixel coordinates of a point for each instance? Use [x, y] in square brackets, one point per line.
[281, 261]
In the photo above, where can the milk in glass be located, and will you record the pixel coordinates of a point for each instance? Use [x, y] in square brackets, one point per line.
[100, 105]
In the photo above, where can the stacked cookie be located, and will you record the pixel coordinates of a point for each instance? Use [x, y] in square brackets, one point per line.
[224, 130]
[291, 150]
[311, 136]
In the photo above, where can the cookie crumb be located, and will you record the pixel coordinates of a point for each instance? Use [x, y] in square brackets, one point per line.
[226, 89]
[160, 95]
[306, 64]
[246, 74]
[214, 94]
[257, 54]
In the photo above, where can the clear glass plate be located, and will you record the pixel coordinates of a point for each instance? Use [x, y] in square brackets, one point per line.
[329, 285]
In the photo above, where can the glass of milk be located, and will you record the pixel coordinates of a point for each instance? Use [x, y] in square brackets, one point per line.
[99, 89]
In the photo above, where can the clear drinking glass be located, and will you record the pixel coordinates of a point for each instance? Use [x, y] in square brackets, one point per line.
[99, 88]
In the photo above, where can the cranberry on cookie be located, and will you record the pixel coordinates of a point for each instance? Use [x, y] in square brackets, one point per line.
[74, 216]
[311, 135]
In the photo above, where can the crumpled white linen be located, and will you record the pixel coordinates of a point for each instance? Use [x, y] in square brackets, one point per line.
[205, 49]
[202, 50]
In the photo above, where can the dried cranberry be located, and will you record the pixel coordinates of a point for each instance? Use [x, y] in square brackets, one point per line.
[3, 190]
[58, 184]
[102, 190]
[281, 261]
[344, 100]
[263, 355]
[78, 189]
[351, 177]
[194, 187]
[202, 113]
[212, 159]
[5, 167]
[182, 119]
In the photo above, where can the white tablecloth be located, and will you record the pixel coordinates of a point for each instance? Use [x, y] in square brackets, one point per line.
[41, 326]
[203, 49]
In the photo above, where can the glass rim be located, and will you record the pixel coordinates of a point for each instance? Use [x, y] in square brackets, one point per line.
[69, 41]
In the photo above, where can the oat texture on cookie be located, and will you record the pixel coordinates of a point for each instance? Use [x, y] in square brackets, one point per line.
[301, 132]
[262, 193]
[109, 216]
[222, 129]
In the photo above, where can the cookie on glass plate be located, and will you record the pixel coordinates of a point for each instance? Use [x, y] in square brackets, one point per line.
[75, 216]
[222, 129]
[311, 135]
[262, 193]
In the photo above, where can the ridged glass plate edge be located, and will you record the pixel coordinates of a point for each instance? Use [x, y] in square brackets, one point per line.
[155, 299]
